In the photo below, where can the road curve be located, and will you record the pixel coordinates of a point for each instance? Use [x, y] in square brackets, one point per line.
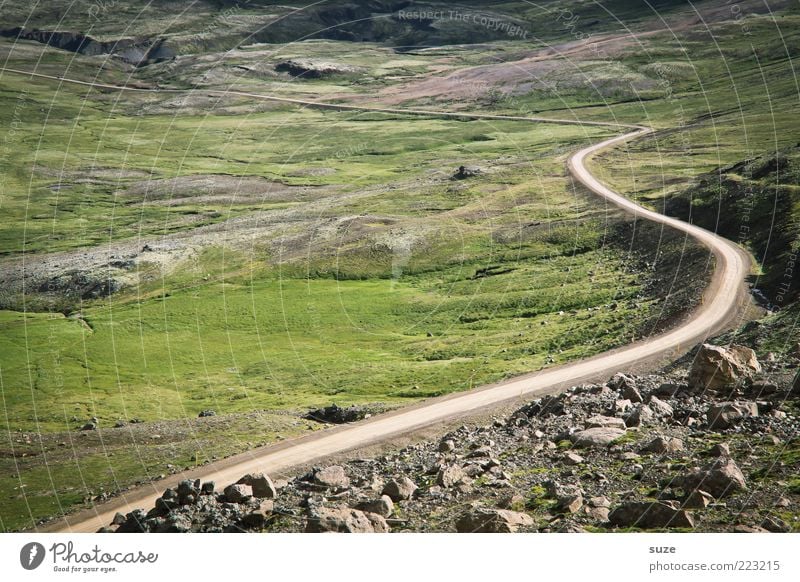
[720, 306]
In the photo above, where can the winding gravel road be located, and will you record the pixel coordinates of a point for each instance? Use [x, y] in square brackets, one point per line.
[721, 305]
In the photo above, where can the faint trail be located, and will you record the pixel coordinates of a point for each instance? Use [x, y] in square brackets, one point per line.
[720, 307]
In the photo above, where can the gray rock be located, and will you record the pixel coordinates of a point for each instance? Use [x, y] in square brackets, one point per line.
[596, 437]
[649, 515]
[627, 386]
[485, 520]
[640, 415]
[720, 478]
[383, 506]
[776, 525]
[447, 446]
[450, 476]
[716, 368]
[259, 517]
[662, 445]
[238, 493]
[344, 520]
[598, 421]
[698, 500]
[333, 477]
[261, 484]
[400, 489]
[726, 414]
[572, 458]
[660, 408]
[721, 450]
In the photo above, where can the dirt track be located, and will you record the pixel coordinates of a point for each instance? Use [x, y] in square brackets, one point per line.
[722, 302]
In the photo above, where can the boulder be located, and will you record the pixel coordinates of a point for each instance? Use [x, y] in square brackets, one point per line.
[721, 450]
[698, 500]
[237, 493]
[596, 437]
[383, 506]
[776, 525]
[261, 484]
[599, 421]
[400, 489]
[572, 458]
[660, 408]
[450, 475]
[649, 515]
[716, 368]
[344, 520]
[627, 386]
[260, 516]
[726, 414]
[447, 446]
[720, 478]
[485, 520]
[332, 477]
[662, 445]
[640, 415]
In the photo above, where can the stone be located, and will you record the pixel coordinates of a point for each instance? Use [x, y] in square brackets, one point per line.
[485, 520]
[598, 421]
[332, 477]
[669, 390]
[237, 493]
[207, 488]
[596, 437]
[742, 528]
[650, 515]
[726, 414]
[344, 520]
[400, 489]
[640, 415]
[626, 385]
[383, 506]
[622, 405]
[89, 426]
[720, 478]
[663, 445]
[573, 458]
[570, 502]
[206, 414]
[597, 513]
[721, 450]
[450, 475]
[716, 368]
[259, 517]
[261, 484]
[660, 408]
[698, 500]
[119, 519]
[776, 525]
[447, 446]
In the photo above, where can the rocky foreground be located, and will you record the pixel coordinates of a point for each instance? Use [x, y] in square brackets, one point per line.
[711, 448]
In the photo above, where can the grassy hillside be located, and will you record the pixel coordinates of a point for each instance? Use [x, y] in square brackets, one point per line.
[271, 258]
